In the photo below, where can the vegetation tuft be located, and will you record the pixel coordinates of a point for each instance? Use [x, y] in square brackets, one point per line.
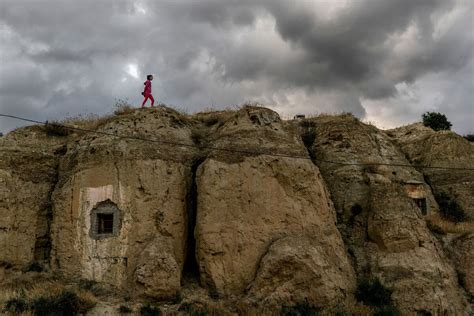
[193, 309]
[149, 310]
[123, 107]
[56, 129]
[450, 208]
[301, 309]
[199, 136]
[177, 298]
[124, 309]
[435, 229]
[94, 287]
[66, 303]
[373, 293]
[16, 305]
[436, 121]
[469, 137]
[356, 209]
[35, 267]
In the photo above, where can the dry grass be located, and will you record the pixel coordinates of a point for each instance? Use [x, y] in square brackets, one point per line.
[88, 122]
[30, 290]
[123, 107]
[450, 227]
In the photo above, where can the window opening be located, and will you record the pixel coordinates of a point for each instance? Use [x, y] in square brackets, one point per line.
[105, 223]
[105, 220]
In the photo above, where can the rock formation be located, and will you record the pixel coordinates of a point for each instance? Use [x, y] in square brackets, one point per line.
[424, 146]
[247, 207]
[28, 173]
[383, 225]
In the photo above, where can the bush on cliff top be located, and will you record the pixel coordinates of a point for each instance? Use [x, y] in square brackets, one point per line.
[469, 137]
[56, 129]
[436, 121]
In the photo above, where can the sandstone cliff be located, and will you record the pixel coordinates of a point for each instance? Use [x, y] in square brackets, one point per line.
[384, 228]
[238, 209]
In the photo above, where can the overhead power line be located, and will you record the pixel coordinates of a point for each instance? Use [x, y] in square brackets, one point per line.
[232, 150]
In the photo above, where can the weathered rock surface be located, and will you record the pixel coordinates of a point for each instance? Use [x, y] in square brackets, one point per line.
[148, 184]
[424, 146]
[463, 253]
[300, 269]
[263, 226]
[383, 227]
[247, 204]
[28, 172]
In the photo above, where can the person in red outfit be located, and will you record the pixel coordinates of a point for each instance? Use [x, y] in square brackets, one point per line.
[147, 91]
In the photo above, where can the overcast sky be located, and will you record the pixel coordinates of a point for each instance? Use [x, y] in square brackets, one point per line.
[386, 61]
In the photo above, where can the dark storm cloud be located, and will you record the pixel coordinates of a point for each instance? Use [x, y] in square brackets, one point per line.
[68, 57]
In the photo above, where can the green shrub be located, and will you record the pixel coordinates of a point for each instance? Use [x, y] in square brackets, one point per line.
[436, 121]
[177, 298]
[373, 293]
[149, 310]
[35, 267]
[193, 309]
[95, 287]
[66, 303]
[16, 305]
[469, 137]
[386, 310]
[211, 120]
[199, 136]
[435, 228]
[301, 309]
[449, 207]
[124, 309]
[356, 209]
[307, 123]
[56, 129]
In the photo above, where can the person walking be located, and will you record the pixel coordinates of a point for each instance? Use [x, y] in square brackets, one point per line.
[147, 91]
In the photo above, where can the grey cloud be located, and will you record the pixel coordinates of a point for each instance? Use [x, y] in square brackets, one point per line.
[72, 56]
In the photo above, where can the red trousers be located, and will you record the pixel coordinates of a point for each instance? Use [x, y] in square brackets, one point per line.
[148, 96]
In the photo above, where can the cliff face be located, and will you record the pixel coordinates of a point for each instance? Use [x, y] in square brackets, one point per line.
[28, 173]
[423, 146]
[384, 227]
[266, 223]
[273, 223]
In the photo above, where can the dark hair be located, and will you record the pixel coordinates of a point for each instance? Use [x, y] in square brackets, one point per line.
[149, 77]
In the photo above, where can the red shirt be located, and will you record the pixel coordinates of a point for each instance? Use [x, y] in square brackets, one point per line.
[147, 87]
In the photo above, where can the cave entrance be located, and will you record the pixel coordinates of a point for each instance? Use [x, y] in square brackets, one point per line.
[421, 203]
[191, 267]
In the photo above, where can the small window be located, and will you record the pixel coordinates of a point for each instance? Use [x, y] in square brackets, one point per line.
[105, 220]
[421, 203]
[105, 223]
